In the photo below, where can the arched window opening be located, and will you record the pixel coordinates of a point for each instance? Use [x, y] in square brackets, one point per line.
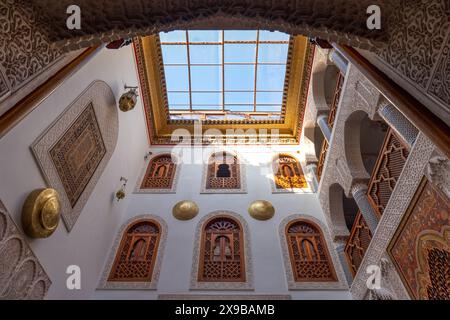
[310, 259]
[223, 172]
[288, 173]
[137, 252]
[222, 251]
[160, 173]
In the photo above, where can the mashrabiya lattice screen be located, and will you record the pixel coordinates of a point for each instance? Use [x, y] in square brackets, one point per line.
[288, 173]
[308, 252]
[222, 251]
[223, 172]
[136, 256]
[160, 173]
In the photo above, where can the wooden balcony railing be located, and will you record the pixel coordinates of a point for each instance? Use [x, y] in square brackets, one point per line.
[387, 170]
[331, 118]
[357, 243]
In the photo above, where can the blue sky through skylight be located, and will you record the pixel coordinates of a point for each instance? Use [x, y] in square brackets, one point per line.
[237, 71]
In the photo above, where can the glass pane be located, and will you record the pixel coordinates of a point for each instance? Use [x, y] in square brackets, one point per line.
[239, 108]
[265, 35]
[239, 77]
[208, 107]
[178, 98]
[173, 36]
[201, 54]
[207, 98]
[269, 97]
[271, 77]
[206, 78]
[183, 107]
[273, 53]
[205, 36]
[275, 108]
[174, 54]
[240, 53]
[239, 97]
[177, 78]
[235, 117]
[240, 35]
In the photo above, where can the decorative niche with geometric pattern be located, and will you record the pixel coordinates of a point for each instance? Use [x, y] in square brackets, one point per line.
[75, 149]
[288, 174]
[135, 259]
[420, 248]
[310, 259]
[223, 174]
[159, 175]
[222, 251]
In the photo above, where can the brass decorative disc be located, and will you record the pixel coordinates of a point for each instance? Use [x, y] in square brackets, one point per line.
[185, 210]
[41, 213]
[261, 210]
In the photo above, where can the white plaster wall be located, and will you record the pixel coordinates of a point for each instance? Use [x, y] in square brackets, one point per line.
[268, 268]
[88, 243]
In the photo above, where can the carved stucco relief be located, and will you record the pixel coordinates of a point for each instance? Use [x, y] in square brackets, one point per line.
[25, 49]
[358, 94]
[410, 178]
[21, 274]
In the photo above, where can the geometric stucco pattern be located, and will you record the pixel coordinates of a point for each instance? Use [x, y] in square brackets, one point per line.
[339, 20]
[340, 284]
[21, 276]
[358, 96]
[405, 189]
[75, 149]
[159, 251]
[419, 46]
[25, 49]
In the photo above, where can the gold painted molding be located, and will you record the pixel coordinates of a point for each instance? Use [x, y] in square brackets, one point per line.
[160, 127]
[41, 213]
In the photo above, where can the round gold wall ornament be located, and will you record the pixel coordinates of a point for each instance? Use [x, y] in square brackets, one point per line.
[128, 100]
[185, 210]
[41, 213]
[261, 210]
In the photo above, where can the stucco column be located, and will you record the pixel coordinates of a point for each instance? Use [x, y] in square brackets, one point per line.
[311, 169]
[322, 122]
[359, 192]
[340, 249]
[339, 61]
[399, 123]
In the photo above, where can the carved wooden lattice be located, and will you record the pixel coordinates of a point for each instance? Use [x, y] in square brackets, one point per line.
[336, 97]
[223, 172]
[331, 117]
[322, 157]
[388, 168]
[160, 173]
[222, 252]
[289, 174]
[137, 252]
[308, 252]
[357, 243]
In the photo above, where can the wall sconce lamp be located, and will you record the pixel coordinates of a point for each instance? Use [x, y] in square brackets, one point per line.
[120, 194]
[128, 100]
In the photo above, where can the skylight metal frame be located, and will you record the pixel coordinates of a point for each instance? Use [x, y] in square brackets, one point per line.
[223, 92]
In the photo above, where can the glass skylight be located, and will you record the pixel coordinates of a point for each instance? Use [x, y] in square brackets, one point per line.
[240, 73]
